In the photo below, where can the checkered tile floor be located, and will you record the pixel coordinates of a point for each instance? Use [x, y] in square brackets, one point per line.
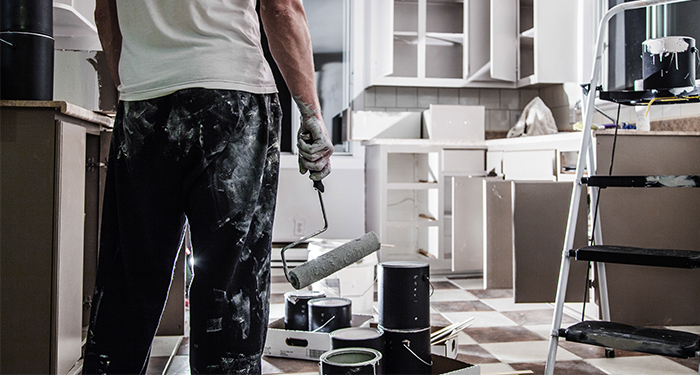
[505, 337]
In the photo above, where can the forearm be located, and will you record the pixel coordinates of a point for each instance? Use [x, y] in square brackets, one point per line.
[290, 44]
[110, 36]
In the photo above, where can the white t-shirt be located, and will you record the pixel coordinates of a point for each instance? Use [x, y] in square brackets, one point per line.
[170, 45]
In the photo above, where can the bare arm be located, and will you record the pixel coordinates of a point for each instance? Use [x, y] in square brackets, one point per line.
[110, 35]
[290, 44]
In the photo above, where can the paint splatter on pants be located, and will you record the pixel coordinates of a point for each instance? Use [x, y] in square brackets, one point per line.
[210, 157]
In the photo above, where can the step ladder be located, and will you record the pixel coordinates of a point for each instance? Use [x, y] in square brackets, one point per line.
[605, 333]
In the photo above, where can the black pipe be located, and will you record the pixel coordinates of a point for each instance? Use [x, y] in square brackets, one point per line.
[26, 50]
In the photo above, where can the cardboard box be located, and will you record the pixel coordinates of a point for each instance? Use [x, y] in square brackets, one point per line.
[310, 345]
[302, 344]
[454, 122]
[446, 349]
[448, 366]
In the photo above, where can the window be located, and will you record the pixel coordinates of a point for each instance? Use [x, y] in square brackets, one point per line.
[330, 36]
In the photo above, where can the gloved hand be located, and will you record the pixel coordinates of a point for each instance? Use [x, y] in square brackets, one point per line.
[315, 148]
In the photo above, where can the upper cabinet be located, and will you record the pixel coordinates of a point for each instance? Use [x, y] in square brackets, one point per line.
[74, 25]
[549, 38]
[467, 43]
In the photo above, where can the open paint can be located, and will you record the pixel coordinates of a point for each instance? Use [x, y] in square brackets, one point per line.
[407, 351]
[296, 309]
[329, 314]
[351, 361]
[669, 62]
[404, 295]
[358, 337]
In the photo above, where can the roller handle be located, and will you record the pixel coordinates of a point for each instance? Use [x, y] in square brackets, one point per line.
[318, 185]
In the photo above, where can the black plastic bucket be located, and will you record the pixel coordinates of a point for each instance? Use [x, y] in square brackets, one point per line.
[669, 62]
[355, 361]
[407, 351]
[358, 337]
[296, 309]
[404, 295]
[329, 314]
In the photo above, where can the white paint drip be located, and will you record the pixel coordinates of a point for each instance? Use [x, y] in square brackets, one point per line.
[665, 45]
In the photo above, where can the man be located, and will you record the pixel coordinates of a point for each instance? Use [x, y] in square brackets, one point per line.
[196, 139]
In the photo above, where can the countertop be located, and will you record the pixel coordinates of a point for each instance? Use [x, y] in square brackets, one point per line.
[424, 142]
[660, 133]
[64, 107]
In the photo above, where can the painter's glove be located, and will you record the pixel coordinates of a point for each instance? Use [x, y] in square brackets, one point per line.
[315, 148]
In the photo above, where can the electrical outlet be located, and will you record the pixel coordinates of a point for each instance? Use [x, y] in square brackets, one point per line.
[299, 227]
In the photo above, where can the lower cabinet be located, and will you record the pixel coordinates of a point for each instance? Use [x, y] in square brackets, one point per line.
[513, 232]
[407, 202]
[43, 211]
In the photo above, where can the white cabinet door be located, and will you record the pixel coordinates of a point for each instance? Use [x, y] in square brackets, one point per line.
[549, 38]
[556, 33]
[382, 25]
[503, 42]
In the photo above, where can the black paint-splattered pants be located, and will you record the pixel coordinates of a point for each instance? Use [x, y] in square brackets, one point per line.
[210, 157]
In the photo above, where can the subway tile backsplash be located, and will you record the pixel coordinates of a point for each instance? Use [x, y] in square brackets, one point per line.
[503, 106]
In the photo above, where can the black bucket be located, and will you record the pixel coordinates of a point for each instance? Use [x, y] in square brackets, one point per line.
[27, 66]
[27, 51]
[296, 309]
[32, 16]
[355, 361]
[407, 351]
[329, 314]
[358, 337]
[404, 295]
[669, 62]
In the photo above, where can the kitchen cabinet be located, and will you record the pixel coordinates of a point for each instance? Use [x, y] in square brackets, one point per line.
[406, 193]
[542, 158]
[651, 218]
[547, 41]
[470, 43]
[43, 221]
[74, 25]
[513, 230]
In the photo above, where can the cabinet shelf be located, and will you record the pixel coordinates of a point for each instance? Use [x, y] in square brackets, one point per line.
[412, 185]
[444, 39]
[527, 35]
[423, 223]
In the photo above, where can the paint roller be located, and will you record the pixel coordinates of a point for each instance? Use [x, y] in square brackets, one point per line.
[330, 262]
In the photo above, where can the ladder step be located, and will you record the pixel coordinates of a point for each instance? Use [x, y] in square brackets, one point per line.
[642, 181]
[637, 339]
[638, 256]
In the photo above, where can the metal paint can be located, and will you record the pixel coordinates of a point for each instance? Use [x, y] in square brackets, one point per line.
[296, 310]
[351, 361]
[404, 295]
[407, 351]
[329, 314]
[669, 62]
[358, 337]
